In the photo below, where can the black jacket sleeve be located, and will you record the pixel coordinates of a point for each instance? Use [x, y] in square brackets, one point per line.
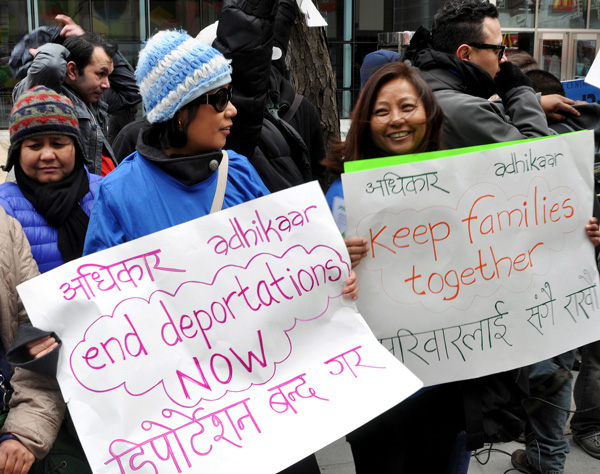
[245, 35]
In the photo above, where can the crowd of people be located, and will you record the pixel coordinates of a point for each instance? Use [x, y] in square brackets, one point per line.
[222, 126]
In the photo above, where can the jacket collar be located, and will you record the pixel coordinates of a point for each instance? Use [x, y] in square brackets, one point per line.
[188, 170]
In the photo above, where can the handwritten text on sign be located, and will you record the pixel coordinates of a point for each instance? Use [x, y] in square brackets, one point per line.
[478, 254]
[220, 343]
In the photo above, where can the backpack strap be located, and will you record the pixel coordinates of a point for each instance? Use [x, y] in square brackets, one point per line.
[217, 203]
[292, 110]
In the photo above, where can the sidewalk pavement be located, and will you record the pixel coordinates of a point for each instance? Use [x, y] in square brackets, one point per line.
[337, 459]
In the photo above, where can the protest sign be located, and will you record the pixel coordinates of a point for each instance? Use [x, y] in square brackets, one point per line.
[311, 13]
[578, 89]
[593, 75]
[478, 258]
[221, 345]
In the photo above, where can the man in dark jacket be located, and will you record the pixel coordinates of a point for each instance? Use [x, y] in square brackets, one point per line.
[465, 66]
[463, 61]
[245, 34]
[92, 73]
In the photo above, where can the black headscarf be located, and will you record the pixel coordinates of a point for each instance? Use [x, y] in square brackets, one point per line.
[59, 204]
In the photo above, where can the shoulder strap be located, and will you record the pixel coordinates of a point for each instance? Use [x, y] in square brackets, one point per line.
[221, 184]
[292, 110]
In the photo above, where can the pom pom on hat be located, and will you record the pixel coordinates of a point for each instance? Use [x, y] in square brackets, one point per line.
[174, 69]
[41, 111]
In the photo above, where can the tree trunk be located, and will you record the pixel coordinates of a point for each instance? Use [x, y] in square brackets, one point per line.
[312, 74]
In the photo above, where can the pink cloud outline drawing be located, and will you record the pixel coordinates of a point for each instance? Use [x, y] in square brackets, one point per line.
[130, 386]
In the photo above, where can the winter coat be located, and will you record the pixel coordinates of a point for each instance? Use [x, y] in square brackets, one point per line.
[42, 237]
[49, 68]
[462, 89]
[119, 216]
[245, 35]
[36, 407]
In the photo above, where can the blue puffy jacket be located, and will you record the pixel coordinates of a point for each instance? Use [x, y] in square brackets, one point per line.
[42, 237]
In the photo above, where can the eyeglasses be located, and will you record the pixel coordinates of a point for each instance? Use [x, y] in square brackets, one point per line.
[218, 99]
[500, 47]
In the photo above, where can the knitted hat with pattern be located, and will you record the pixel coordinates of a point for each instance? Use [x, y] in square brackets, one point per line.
[174, 69]
[41, 111]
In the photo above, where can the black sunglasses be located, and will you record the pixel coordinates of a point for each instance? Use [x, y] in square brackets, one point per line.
[500, 47]
[218, 99]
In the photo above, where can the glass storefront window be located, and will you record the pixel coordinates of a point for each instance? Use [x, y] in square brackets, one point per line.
[169, 14]
[518, 41]
[211, 10]
[552, 50]
[13, 20]
[79, 10]
[562, 14]
[516, 13]
[595, 14]
[116, 19]
[585, 52]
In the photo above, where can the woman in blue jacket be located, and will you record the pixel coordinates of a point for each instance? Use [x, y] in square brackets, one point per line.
[54, 192]
[173, 175]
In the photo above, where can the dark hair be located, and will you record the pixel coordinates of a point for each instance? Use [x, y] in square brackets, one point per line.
[545, 82]
[524, 61]
[359, 144]
[460, 22]
[173, 132]
[81, 48]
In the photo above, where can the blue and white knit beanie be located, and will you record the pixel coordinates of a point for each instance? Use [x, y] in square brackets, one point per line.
[174, 69]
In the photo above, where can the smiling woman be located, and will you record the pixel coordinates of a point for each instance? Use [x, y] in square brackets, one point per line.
[396, 114]
[394, 98]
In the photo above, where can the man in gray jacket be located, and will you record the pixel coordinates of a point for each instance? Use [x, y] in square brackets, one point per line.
[94, 75]
[463, 60]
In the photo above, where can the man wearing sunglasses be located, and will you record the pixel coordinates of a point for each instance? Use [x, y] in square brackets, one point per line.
[463, 59]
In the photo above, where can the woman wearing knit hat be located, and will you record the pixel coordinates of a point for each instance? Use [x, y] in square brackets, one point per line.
[54, 192]
[179, 161]
[180, 171]
[52, 199]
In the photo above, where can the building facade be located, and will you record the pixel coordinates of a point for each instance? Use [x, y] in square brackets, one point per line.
[563, 35]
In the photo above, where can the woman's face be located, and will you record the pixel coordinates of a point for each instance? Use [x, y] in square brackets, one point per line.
[47, 158]
[209, 129]
[398, 119]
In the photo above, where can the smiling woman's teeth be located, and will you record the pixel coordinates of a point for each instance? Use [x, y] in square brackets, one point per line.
[398, 134]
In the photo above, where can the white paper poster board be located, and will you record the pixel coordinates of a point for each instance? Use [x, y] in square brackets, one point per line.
[593, 75]
[222, 345]
[479, 263]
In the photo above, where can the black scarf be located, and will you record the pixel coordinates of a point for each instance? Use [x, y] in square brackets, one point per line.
[475, 80]
[188, 170]
[59, 204]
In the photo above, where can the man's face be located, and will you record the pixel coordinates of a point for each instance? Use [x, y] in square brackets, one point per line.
[488, 59]
[94, 81]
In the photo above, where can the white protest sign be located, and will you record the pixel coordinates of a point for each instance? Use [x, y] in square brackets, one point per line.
[311, 13]
[479, 263]
[221, 345]
[593, 75]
